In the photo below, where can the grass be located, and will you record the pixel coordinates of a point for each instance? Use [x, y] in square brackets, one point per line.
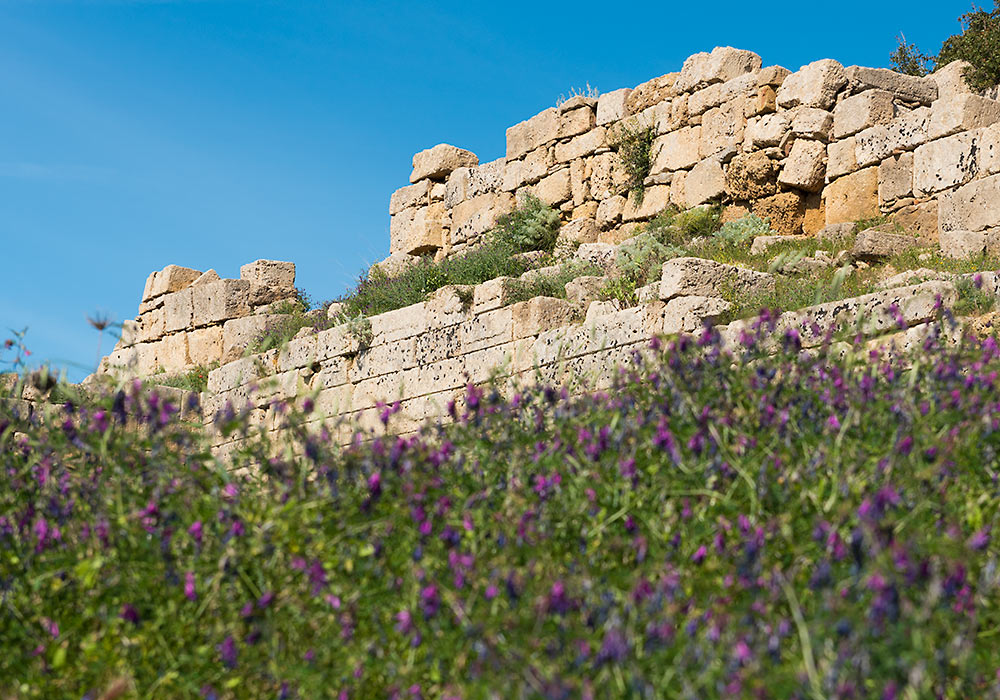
[195, 379]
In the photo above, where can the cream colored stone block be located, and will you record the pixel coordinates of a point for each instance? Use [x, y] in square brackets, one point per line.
[972, 207]
[722, 128]
[813, 85]
[805, 166]
[487, 329]
[576, 121]
[539, 314]
[704, 183]
[611, 106]
[205, 345]
[945, 163]
[398, 324]
[852, 197]
[841, 158]
[862, 111]
[904, 133]
[532, 133]
[220, 301]
[581, 146]
[177, 311]
[895, 178]
[677, 150]
[172, 354]
[172, 278]
[437, 162]
[417, 195]
[654, 200]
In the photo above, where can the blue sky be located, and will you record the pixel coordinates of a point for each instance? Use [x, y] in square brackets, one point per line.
[138, 133]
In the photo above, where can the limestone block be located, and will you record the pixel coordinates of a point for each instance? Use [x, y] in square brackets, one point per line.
[762, 244]
[836, 233]
[772, 76]
[607, 175]
[555, 188]
[701, 277]
[611, 106]
[172, 352]
[177, 311]
[881, 242]
[172, 278]
[269, 273]
[578, 231]
[989, 150]
[722, 128]
[529, 169]
[805, 166]
[456, 190]
[478, 215]
[962, 113]
[234, 374]
[705, 183]
[600, 254]
[151, 325]
[813, 85]
[670, 115]
[493, 294]
[971, 207]
[487, 329]
[765, 102]
[338, 341]
[576, 102]
[841, 158]
[398, 324]
[333, 400]
[895, 178]
[751, 176]
[394, 265]
[437, 162]
[904, 133]
[220, 301]
[383, 359]
[581, 146]
[576, 121]
[719, 93]
[654, 200]
[147, 359]
[950, 80]
[722, 64]
[587, 210]
[579, 182]
[852, 197]
[784, 211]
[585, 289]
[945, 163]
[919, 220]
[297, 353]
[650, 93]
[449, 305]
[437, 344]
[205, 345]
[677, 150]
[417, 195]
[906, 87]
[963, 244]
[859, 112]
[416, 230]
[812, 123]
[239, 333]
[532, 133]
[769, 130]
[690, 313]
[487, 177]
[609, 211]
[206, 277]
[539, 314]
[814, 217]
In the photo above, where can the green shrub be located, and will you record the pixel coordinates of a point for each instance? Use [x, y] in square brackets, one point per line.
[550, 285]
[638, 261]
[294, 316]
[634, 144]
[741, 232]
[195, 379]
[532, 226]
[979, 44]
[973, 300]
[698, 221]
[908, 59]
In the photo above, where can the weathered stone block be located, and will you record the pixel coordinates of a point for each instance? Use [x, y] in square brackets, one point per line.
[239, 333]
[555, 188]
[767, 131]
[689, 313]
[919, 220]
[989, 150]
[437, 162]
[650, 93]
[907, 87]
[609, 211]
[172, 352]
[677, 150]
[805, 166]
[220, 301]
[972, 207]
[895, 178]
[945, 163]
[751, 176]
[600, 254]
[177, 311]
[950, 80]
[585, 289]
[578, 231]
[720, 93]
[963, 244]
[655, 199]
[962, 113]
[706, 278]
[611, 106]
[269, 273]
[904, 133]
[852, 197]
[151, 325]
[417, 195]
[784, 211]
[576, 121]
[493, 294]
[860, 112]
[812, 123]
[813, 85]
[773, 76]
[581, 146]
[532, 133]
[706, 182]
[416, 230]
[879, 243]
[477, 215]
[722, 64]
[205, 345]
[487, 329]
[722, 128]
[540, 314]
[172, 278]
[841, 158]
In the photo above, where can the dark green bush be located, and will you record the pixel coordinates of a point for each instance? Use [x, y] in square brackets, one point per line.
[532, 226]
[908, 59]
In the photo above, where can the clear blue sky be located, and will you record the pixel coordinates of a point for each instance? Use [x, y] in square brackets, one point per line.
[134, 134]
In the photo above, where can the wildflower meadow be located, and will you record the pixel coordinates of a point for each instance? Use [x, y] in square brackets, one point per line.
[713, 522]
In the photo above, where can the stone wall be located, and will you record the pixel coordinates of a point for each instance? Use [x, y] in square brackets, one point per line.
[823, 145]
[189, 318]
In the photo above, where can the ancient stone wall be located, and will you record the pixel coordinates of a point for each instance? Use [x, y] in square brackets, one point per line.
[823, 145]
